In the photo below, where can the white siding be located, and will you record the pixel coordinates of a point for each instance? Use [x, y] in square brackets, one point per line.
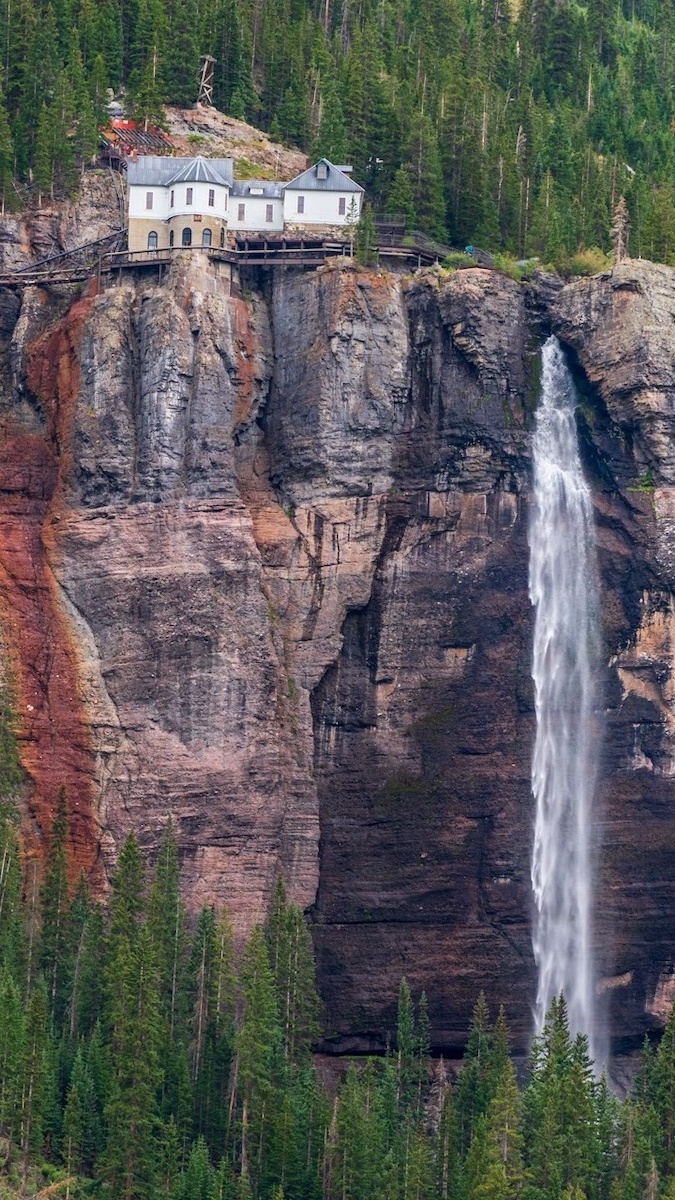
[160, 203]
[321, 207]
[200, 199]
[255, 214]
[161, 208]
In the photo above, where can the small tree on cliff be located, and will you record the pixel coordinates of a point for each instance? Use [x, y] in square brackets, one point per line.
[366, 238]
[620, 231]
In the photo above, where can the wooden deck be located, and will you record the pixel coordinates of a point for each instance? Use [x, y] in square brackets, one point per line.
[105, 257]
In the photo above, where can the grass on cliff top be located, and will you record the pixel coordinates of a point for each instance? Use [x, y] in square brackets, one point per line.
[245, 169]
[584, 263]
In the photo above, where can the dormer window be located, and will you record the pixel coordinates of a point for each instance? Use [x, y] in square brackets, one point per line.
[188, 195]
[322, 171]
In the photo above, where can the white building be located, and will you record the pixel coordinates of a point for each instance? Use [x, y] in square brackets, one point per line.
[195, 201]
[322, 195]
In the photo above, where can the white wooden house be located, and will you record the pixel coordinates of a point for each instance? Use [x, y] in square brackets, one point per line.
[195, 201]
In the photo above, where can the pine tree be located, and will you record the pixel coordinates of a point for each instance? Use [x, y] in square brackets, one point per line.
[128, 894]
[82, 1119]
[54, 905]
[166, 926]
[88, 958]
[292, 960]
[12, 1035]
[182, 53]
[258, 1041]
[199, 1181]
[44, 155]
[331, 139]
[132, 1154]
[83, 132]
[7, 159]
[405, 1045]
[98, 90]
[401, 197]
[424, 169]
[620, 230]
[12, 932]
[366, 238]
[33, 1083]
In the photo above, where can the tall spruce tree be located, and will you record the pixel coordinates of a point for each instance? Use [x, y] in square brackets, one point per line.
[54, 911]
[131, 1160]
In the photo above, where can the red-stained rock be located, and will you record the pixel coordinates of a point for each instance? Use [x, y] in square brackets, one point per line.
[52, 727]
[263, 563]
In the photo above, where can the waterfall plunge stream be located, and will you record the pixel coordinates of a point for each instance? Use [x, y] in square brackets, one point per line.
[565, 658]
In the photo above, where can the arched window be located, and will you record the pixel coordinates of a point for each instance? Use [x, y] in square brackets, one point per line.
[171, 239]
[187, 236]
[222, 237]
[152, 241]
[206, 237]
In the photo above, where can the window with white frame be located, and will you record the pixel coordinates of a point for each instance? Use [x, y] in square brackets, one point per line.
[212, 197]
[188, 195]
[241, 212]
[342, 206]
[171, 200]
[301, 204]
[269, 212]
[149, 198]
[322, 171]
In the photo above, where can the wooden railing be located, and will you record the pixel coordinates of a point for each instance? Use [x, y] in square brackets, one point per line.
[103, 257]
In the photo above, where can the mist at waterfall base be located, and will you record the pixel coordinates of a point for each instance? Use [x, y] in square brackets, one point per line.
[563, 591]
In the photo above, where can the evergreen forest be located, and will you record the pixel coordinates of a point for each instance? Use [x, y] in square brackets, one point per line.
[512, 126]
[143, 1058]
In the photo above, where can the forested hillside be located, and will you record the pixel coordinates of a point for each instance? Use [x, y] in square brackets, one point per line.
[509, 126]
[142, 1060]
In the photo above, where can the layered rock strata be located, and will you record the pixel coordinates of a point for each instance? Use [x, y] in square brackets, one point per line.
[263, 566]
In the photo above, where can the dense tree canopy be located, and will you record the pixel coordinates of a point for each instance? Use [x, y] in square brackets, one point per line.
[145, 1058]
[513, 126]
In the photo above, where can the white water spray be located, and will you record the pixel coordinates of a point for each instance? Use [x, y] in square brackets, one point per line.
[565, 662]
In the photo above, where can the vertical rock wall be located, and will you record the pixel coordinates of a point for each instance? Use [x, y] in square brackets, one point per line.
[263, 566]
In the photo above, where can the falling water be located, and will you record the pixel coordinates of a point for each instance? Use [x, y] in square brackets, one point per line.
[563, 590]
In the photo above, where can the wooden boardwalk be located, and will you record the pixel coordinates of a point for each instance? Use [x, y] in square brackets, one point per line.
[106, 256]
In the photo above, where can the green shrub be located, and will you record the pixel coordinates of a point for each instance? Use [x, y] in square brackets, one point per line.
[245, 169]
[458, 258]
[584, 263]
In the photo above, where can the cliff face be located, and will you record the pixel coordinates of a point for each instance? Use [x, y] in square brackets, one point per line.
[263, 566]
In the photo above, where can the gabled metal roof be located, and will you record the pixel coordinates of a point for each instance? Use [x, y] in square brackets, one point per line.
[150, 170]
[157, 171]
[335, 181]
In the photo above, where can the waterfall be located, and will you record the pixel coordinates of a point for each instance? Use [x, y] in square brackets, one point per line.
[566, 654]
